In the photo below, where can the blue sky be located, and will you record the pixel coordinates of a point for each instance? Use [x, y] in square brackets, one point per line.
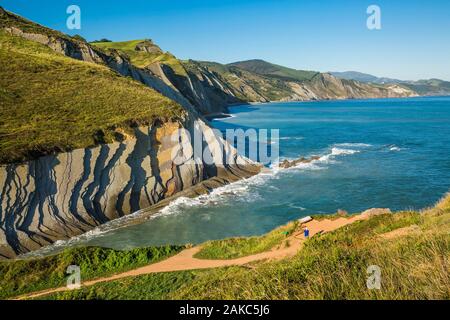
[322, 35]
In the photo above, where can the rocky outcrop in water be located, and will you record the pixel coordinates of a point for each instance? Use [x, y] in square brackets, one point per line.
[286, 164]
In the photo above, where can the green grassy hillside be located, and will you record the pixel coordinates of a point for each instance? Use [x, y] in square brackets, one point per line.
[19, 277]
[422, 87]
[260, 81]
[51, 103]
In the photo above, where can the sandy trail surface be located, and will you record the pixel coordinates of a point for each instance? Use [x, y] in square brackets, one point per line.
[185, 260]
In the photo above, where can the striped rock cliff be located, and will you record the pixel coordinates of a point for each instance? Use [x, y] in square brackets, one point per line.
[59, 196]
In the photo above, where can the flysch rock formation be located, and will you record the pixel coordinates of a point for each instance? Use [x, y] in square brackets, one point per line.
[60, 196]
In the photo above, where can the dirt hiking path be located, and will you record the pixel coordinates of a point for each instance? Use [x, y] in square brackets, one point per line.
[185, 260]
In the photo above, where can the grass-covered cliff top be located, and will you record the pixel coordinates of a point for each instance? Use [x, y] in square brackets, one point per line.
[51, 103]
[150, 54]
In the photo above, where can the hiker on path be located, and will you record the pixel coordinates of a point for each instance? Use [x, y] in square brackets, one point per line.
[306, 232]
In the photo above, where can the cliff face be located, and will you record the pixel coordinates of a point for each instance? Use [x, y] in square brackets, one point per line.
[59, 196]
[208, 92]
[325, 87]
[197, 89]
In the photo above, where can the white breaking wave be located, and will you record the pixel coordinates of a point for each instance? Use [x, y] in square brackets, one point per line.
[394, 148]
[329, 158]
[238, 191]
[244, 190]
[291, 138]
[313, 165]
[94, 233]
[297, 207]
[335, 152]
[339, 151]
[353, 145]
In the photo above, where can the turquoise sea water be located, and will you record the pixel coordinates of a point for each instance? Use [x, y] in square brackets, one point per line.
[390, 153]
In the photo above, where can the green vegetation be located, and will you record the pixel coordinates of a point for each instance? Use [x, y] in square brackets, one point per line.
[272, 70]
[334, 267]
[79, 38]
[241, 247]
[123, 46]
[23, 276]
[52, 103]
[149, 287]
[101, 40]
[337, 215]
[413, 265]
[143, 59]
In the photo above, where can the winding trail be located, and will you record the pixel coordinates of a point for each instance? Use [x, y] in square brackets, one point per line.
[185, 260]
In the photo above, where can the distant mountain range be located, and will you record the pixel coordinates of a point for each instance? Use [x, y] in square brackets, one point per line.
[363, 77]
[262, 67]
[422, 87]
